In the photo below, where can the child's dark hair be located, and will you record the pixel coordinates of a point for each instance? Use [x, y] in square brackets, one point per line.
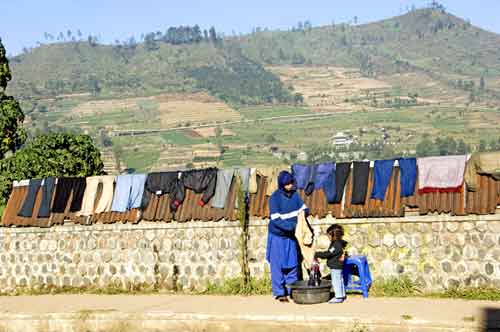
[335, 231]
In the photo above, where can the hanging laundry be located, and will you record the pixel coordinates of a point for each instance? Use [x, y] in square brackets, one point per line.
[252, 181]
[224, 180]
[64, 188]
[106, 199]
[482, 163]
[320, 176]
[164, 183]
[441, 174]
[244, 174]
[325, 179]
[129, 190]
[271, 173]
[310, 187]
[47, 191]
[201, 181]
[244, 181]
[407, 176]
[360, 174]
[342, 171]
[302, 175]
[29, 200]
[382, 176]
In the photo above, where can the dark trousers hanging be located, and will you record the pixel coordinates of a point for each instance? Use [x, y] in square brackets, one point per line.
[64, 188]
[342, 172]
[360, 173]
[47, 191]
[29, 201]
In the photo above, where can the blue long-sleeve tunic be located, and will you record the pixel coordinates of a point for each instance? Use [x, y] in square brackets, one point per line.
[281, 243]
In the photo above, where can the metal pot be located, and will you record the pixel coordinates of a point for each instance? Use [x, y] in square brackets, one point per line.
[305, 294]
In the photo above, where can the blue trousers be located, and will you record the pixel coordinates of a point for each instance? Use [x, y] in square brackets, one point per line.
[383, 173]
[128, 192]
[281, 277]
[338, 283]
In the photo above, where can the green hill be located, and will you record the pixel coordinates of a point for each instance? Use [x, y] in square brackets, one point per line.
[430, 41]
[79, 67]
[426, 39]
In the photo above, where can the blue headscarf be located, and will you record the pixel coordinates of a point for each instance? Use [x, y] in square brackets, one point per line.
[285, 178]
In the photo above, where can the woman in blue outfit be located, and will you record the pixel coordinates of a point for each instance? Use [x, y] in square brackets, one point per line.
[282, 248]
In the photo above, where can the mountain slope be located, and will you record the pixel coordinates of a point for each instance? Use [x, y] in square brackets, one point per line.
[427, 39]
[78, 67]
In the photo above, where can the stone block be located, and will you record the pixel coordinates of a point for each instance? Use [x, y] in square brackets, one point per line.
[452, 226]
[408, 227]
[489, 269]
[437, 227]
[489, 240]
[481, 226]
[416, 240]
[388, 240]
[91, 244]
[143, 244]
[468, 226]
[150, 235]
[401, 240]
[461, 268]
[44, 245]
[52, 245]
[374, 239]
[388, 268]
[494, 227]
[395, 228]
[200, 271]
[424, 228]
[446, 266]
[107, 256]
[112, 269]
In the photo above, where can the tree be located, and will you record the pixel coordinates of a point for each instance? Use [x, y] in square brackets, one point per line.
[5, 75]
[462, 147]
[482, 145]
[150, 42]
[213, 35]
[12, 135]
[482, 84]
[493, 145]
[60, 154]
[298, 98]
[270, 139]
[425, 148]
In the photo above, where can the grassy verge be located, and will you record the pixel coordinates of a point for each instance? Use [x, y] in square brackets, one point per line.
[142, 289]
[235, 286]
[404, 287]
[393, 287]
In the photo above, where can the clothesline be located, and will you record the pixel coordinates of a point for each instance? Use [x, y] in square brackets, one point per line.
[125, 192]
[25, 182]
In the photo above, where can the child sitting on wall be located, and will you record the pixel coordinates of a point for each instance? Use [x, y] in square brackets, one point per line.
[335, 261]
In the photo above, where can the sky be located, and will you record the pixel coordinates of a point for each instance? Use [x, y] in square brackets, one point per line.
[23, 22]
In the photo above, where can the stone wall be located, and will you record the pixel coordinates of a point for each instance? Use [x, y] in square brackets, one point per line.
[438, 251]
